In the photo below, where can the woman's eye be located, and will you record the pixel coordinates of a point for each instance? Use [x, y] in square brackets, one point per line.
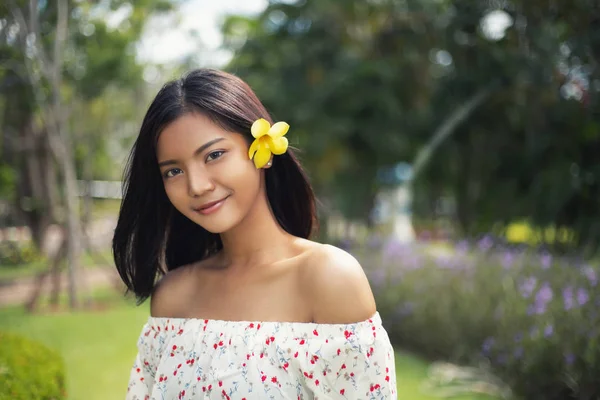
[171, 173]
[214, 155]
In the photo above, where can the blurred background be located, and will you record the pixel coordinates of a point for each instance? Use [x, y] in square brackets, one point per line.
[453, 144]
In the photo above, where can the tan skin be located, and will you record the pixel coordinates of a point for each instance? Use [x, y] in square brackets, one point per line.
[263, 273]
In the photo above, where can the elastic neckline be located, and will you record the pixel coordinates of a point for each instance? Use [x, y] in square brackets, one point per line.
[374, 319]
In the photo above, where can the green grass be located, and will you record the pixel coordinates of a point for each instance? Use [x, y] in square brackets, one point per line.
[99, 348]
[12, 272]
[411, 373]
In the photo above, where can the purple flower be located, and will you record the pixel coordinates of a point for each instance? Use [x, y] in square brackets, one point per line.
[485, 243]
[346, 244]
[548, 331]
[404, 310]
[518, 352]
[591, 275]
[545, 293]
[374, 241]
[536, 308]
[582, 296]
[569, 358]
[546, 260]
[393, 249]
[444, 261]
[413, 262]
[487, 345]
[528, 286]
[518, 337]
[377, 277]
[542, 298]
[568, 298]
[508, 259]
[462, 247]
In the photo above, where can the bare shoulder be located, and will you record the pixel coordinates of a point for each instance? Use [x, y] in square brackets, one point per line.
[337, 285]
[168, 294]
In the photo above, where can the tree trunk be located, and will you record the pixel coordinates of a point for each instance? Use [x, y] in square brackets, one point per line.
[55, 272]
[448, 126]
[37, 291]
[51, 181]
[463, 198]
[444, 131]
[66, 163]
[54, 115]
[86, 219]
[31, 193]
[54, 269]
[73, 227]
[55, 288]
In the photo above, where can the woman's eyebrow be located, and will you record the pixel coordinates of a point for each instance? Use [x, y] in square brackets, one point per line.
[198, 151]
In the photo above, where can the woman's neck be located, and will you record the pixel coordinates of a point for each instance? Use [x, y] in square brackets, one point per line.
[258, 239]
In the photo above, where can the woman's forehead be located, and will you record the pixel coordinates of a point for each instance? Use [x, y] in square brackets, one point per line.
[195, 124]
[189, 132]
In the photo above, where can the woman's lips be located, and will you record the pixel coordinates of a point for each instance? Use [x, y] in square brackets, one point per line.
[212, 207]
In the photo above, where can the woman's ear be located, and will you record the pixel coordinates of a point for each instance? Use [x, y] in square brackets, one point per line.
[270, 163]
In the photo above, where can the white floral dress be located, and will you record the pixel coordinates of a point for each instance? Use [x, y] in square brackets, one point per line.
[182, 358]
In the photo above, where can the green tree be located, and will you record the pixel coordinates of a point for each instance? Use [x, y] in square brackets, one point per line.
[59, 55]
[509, 114]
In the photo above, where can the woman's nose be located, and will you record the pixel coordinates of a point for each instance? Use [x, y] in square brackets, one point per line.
[199, 182]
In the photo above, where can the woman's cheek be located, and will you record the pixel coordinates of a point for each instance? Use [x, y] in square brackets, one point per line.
[173, 194]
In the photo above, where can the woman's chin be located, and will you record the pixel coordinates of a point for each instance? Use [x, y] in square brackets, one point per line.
[215, 226]
[217, 230]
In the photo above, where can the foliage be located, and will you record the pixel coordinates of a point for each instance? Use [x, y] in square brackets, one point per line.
[100, 93]
[15, 253]
[530, 316]
[29, 370]
[365, 84]
[7, 180]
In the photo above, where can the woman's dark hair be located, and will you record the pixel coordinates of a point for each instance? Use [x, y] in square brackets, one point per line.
[151, 236]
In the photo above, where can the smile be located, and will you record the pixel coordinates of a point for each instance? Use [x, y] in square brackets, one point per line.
[212, 207]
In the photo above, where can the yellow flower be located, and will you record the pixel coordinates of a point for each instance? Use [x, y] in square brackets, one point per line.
[268, 140]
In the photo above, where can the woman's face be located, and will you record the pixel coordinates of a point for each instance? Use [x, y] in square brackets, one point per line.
[206, 172]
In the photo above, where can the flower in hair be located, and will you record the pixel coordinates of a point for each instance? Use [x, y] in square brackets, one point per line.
[267, 140]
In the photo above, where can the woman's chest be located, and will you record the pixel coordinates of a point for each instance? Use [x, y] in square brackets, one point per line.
[279, 298]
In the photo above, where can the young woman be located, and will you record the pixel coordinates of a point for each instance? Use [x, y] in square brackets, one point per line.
[247, 306]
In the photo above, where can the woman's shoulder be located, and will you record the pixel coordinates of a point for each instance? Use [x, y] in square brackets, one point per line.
[337, 285]
[170, 293]
[173, 292]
